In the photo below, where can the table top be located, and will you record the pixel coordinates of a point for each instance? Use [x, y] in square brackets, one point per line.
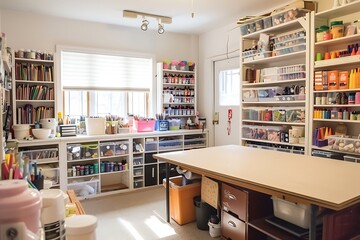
[324, 182]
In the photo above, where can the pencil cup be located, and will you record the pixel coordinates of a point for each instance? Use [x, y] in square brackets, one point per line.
[39, 183]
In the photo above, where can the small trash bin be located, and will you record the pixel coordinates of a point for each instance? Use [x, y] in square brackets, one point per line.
[182, 209]
[203, 213]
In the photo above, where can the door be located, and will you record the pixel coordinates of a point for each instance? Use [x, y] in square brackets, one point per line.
[227, 101]
[151, 173]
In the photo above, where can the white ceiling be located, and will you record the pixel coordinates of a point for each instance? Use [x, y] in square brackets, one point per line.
[209, 14]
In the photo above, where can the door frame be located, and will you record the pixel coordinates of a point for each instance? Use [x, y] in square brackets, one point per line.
[213, 61]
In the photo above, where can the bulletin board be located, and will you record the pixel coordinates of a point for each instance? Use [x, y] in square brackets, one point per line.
[209, 191]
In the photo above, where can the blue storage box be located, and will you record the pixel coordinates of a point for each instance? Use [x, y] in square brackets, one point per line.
[162, 125]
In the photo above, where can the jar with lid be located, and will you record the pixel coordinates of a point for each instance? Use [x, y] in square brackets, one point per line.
[27, 53]
[33, 54]
[337, 29]
[320, 33]
[21, 53]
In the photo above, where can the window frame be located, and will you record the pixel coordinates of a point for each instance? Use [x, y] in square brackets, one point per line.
[60, 95]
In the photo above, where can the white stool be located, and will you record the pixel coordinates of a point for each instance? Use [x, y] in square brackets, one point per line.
[81, 227]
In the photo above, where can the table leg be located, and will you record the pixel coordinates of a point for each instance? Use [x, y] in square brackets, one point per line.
[167, 165]
[312, 230]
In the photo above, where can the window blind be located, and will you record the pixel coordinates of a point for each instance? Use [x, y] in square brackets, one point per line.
[94, 71]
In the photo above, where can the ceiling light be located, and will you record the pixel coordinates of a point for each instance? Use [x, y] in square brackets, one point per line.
[144, 25]
[160, 27]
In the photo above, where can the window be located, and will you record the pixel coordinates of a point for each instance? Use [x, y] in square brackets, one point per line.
[99, 83]
[229, 82]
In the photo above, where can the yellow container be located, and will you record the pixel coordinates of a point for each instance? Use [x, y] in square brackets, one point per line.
[337, 29]
[182, 209]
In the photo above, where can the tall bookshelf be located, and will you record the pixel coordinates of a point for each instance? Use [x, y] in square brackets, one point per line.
[33, 89]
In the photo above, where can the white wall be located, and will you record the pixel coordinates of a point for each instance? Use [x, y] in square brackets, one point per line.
[32, 31]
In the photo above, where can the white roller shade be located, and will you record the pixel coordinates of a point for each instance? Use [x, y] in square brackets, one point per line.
[94, 71]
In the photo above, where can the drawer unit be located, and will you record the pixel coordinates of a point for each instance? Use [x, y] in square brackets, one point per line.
[138, 171]
[149, 158]
[138, 161]
[232, 228]
[234, 201]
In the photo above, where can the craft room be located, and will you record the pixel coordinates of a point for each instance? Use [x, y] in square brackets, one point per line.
[144, 120]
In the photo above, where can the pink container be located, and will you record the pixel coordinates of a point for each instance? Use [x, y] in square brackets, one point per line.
[145, 125]
[18, 203]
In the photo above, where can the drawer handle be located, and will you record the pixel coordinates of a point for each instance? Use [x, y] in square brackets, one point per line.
[231, 223]
[232, 196]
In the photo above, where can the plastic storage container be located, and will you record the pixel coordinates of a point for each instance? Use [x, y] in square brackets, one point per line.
[288, 16]
[81, 227]
[244, 29]
[320, 33]
[174, 124]
[95, 126]
[351, 159]
[344, 144]
[250, 95]
[121, 147]
[144, 125]
[337, 29]
[268, 94]
[267, 22]
[107, 149]
[295, 213]
[182, 209]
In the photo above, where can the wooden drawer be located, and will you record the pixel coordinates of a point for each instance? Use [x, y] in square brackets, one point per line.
[234, 200]
[232, 227]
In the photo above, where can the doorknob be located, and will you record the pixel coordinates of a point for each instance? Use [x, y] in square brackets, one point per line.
[216, 118]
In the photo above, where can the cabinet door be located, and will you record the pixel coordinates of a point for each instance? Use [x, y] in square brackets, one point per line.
[149, 158]
[151, 173]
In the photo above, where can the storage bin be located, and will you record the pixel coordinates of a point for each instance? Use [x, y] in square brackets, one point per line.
[252, 27]
[267, 22]
[274, 134]
[174, 124]
[351, 159]
[289, 43]
[170, 144]
[344, 144]
[295, 213]
[138, 184]
[107, 149]
[144, 125]
[161, 125]
[138, 161]
[259, 25]
[290, 49]
[250, 95]
[248, 55]
[244, 29]
[268, 94]
[138, 171]
[296, 115]
[89, 151]
[288, 15]
[182, 209]
[74, 152]
[121, 147]
[279, 115]
[254, 132]
[151, 146]
[84, 189]
[95, 126]
[299, 97]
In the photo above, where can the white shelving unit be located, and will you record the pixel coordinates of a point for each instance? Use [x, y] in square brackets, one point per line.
[296, 58]
[348, 13]
[177, 90]
[34, 90]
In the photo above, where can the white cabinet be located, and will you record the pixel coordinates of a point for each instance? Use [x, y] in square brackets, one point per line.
[33, 89]
[176, 93]
[333, 89]
[274, 106]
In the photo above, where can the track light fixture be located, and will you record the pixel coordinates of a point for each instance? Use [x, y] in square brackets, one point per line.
[160, 27]
[144, 25]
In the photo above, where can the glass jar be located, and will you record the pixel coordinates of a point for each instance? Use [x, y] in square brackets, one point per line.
[320, 32]
[337, 29]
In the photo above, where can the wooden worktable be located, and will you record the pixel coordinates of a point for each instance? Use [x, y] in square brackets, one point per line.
[316, 181]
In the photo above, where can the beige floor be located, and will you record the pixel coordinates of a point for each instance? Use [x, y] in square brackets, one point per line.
[139, 215]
